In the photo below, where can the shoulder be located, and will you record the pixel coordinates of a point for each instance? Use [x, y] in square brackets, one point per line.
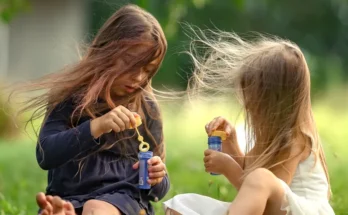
[63, 109]
[301, 147]
[64, 105]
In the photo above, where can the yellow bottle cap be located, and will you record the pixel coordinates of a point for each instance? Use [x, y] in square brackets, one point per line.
[138, 122]
[221, 134]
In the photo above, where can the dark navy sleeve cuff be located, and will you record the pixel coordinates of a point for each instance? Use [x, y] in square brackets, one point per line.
[84, 135]
[158, 191]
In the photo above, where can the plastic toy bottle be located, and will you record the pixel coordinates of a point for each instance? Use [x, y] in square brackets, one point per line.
[215, 142]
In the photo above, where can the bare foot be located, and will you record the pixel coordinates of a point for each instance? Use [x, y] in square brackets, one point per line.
[54, 205]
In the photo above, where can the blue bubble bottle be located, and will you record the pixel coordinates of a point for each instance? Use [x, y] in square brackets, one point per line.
[143, 169]
[215, 142]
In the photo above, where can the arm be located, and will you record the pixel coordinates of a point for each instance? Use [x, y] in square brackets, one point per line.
[58, 143]
[158, 191]
[161, 189]
[156, 128]
[222, 163]
[233, 173]
[298, 152]
[230, 146]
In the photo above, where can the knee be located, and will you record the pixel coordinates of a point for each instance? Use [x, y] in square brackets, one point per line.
[91, 204]
[171, 212]
[99, 207]
[259, 178]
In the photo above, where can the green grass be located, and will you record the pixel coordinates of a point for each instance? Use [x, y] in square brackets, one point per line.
[21, 178]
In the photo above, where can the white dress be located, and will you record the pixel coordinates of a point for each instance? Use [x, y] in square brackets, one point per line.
[306, 195]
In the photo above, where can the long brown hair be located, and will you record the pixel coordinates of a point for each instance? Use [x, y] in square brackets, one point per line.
[94, 75]
[271, 79]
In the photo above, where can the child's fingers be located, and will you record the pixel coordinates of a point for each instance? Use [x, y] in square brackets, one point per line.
[119, 118]
[229, 129]
[120, 124]
[133, 119]
[130, 116]
[216, 123]
[208, 152]
[207, 128]
[207, 167]
[160, 174]
[124, 117]
[154, 160]
[157, 168]
[154, 181]
[114, 126]
[219, 124]
[136, 165]
[211, 126]
[206, 159]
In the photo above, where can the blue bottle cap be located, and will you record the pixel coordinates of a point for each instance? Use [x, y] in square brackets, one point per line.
[145, 155]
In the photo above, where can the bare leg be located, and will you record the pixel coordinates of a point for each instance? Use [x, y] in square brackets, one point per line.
[261, 193]
[54, 205]
[172, 212]
[97, 207]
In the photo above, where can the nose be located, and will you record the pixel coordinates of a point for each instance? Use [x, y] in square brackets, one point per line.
[139, 76]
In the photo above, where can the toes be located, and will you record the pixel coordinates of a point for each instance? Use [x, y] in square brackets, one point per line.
[69, 208]
[57, 204]
[44, 213]
[47, 210]
[41, 200]
[49, 199]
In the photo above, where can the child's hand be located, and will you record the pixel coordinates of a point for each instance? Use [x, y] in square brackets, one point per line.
[215, 161]
[157, 170]
[220, 123]
[118, 119]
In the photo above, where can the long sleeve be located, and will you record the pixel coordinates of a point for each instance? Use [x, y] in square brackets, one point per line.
[58, 143]
[160, 190]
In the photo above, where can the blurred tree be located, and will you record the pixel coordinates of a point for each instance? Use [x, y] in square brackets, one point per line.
[8, 129]
[319, 27]
[9, 8]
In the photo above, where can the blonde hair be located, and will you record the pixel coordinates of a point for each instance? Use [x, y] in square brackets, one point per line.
[271, 79]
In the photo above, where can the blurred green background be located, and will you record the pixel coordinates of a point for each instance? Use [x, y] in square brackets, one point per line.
[32, 31]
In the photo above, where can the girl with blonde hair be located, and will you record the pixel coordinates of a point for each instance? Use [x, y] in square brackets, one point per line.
[283, 170]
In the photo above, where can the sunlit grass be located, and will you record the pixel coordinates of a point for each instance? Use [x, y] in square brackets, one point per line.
[21, 178]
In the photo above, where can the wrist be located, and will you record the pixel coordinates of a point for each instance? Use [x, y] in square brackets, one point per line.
[233, 172]
[228, 167]
[95, 132]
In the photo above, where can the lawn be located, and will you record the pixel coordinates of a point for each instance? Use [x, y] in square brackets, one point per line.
[21, 178]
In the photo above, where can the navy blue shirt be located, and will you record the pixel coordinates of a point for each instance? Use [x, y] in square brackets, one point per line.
[62, 146]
